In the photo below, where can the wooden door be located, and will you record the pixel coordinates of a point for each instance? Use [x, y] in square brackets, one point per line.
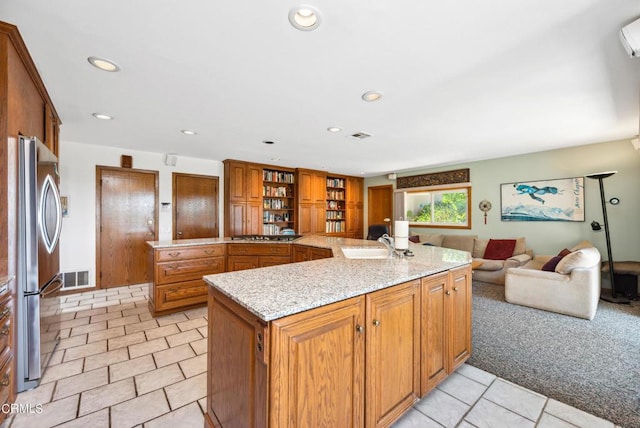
[392, 352]
[195, 206]
[317, 359]
[380, 204]
[126, 217]
[434, 345]
[459, 302]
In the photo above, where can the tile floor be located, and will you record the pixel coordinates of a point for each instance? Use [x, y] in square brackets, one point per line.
[117, 366]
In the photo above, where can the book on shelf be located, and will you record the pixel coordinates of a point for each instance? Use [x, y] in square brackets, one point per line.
[278, 176]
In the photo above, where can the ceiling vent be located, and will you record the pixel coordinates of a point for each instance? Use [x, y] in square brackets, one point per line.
[360, 135]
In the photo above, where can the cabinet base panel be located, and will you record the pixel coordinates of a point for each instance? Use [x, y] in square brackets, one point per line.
[156, 314]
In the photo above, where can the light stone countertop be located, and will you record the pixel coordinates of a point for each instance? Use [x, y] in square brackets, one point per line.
[277, 291]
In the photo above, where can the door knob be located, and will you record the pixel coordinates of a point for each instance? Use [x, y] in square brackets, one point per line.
[359, 328]
[376, 323]
[448, 293]
[179, 233]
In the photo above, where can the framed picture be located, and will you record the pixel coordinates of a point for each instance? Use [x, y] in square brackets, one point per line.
[544, 200]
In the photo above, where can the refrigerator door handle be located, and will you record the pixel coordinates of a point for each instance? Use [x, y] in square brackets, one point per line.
[52, 286]
[50, 242]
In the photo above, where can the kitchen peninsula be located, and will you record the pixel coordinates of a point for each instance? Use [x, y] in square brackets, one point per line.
[338, 341]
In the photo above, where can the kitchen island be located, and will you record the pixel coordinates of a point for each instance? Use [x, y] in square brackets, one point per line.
[343, 342]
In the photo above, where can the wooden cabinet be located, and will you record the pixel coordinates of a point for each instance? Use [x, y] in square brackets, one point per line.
[177, 276]
[392, 352]
[317, 356]
[303, 253]
[252, 256]
[242, 198]
[446, 325]
[355, 207]
[26, 109]
[310, 196]
[354, 363]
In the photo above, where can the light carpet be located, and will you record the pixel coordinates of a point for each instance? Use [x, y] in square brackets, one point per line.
[592, 365]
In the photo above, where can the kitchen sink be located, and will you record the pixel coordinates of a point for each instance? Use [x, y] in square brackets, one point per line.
[365, 253]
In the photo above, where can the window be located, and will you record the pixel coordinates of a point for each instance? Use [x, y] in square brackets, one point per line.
[448, 207]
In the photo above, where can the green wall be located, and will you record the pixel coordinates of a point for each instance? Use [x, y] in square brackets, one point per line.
[551, 237]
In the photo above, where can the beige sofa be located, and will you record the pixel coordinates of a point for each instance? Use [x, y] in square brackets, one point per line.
[573, 288]
[489, 270]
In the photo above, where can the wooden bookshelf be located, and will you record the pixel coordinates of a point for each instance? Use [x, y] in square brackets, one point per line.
[336, 208]
[277, 201]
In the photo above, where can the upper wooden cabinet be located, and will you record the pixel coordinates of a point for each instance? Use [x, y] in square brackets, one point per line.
[355, 207]
[242, 198]
[311, 186]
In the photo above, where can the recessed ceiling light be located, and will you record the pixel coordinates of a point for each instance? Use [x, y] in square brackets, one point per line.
[102, 116]
[334, 129]
[268, 142]
[305, 18]
[188, 132]
[103, 64]
[371, 96]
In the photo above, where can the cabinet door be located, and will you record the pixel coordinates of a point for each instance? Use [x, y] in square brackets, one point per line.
[300, 253]
[354, 221]
[253, 226]
[459, 302]
[317, 360]
[392, 352]
[320, 253]
[434, 349]
[305, 187]
[236, 220]
[241, 263]
[264, 261]
[237, 182]
[319, 189]
[254, 184]
[319, 219]
[305, 219]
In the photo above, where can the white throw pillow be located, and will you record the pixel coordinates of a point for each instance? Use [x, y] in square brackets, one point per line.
[582, 258]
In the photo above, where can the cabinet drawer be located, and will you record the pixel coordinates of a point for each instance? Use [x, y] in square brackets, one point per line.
[169, 272]
[259, 249]
[6, 381]
[193, 252]
[273, 260]
[6, 316]
[181, 294]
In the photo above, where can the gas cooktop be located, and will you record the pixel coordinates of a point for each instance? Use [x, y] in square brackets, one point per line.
[265, 237]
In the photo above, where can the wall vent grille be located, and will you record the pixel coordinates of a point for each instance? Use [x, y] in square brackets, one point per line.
[360, 135]
[76, 279]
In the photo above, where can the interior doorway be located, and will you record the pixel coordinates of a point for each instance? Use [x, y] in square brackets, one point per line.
[195, 206]
[380, 205]
[126, 217]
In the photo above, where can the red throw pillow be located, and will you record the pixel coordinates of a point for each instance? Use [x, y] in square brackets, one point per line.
[550, 266]
[564, 252]
[415, 239]
[499, 249]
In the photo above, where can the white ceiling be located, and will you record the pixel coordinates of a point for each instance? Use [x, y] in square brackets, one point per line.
[462, 81]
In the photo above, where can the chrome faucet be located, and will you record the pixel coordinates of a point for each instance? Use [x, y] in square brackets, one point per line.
[387, 241]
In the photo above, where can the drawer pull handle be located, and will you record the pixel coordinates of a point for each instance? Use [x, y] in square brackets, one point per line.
[359, 328]
[6, 311]
[455, 288]
[448, 293]
[174, 289]
[5, 380]
[208, 252]
[173, 266]
[376, 323]
[5, 330]
[176, 254]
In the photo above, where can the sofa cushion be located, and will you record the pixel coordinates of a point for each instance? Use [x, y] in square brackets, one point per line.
[550, 266]
[490, 265]
[583, 258]
[564, 252]
[521, 247]
[499, 249]
[459, 242]
[430, 238]
[479, 247]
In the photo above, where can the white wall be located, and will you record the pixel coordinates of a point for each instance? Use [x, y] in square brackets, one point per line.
[78, 182]
[551, 237]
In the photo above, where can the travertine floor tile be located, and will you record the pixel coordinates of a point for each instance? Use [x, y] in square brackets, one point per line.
[81, 382]
[40, 395]
[157, 379]
[194, 366]
[63, 370]
[106, 396]
[141, 326]
[85, 350]
[123, 321]
[138, 410]
[182, 338]
[203, 331]
[486, 414]
[106, 359]
[187, 416]
[415, 419]
[134, 311]
[191, 324]
[186, 391]
[476, 374]
[197, 313]
[105, 334]
[98, 419]
[442, 408]
[53, 413]
[149, 347]
[70, 342]
[172, 319]
[106, 316]
[199, 346]
[131, 368]
[130, 339]
[173, 355]
[462, 388]
[87, 328]
[515, 398]
[575, 416]
[167, 330]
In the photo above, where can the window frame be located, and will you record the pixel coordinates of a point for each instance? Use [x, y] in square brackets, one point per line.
[438, 189]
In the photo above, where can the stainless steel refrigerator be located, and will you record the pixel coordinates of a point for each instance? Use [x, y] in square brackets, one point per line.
[39, 227]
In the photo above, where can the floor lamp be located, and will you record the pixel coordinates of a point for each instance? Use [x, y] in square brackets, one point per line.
[601, 176]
